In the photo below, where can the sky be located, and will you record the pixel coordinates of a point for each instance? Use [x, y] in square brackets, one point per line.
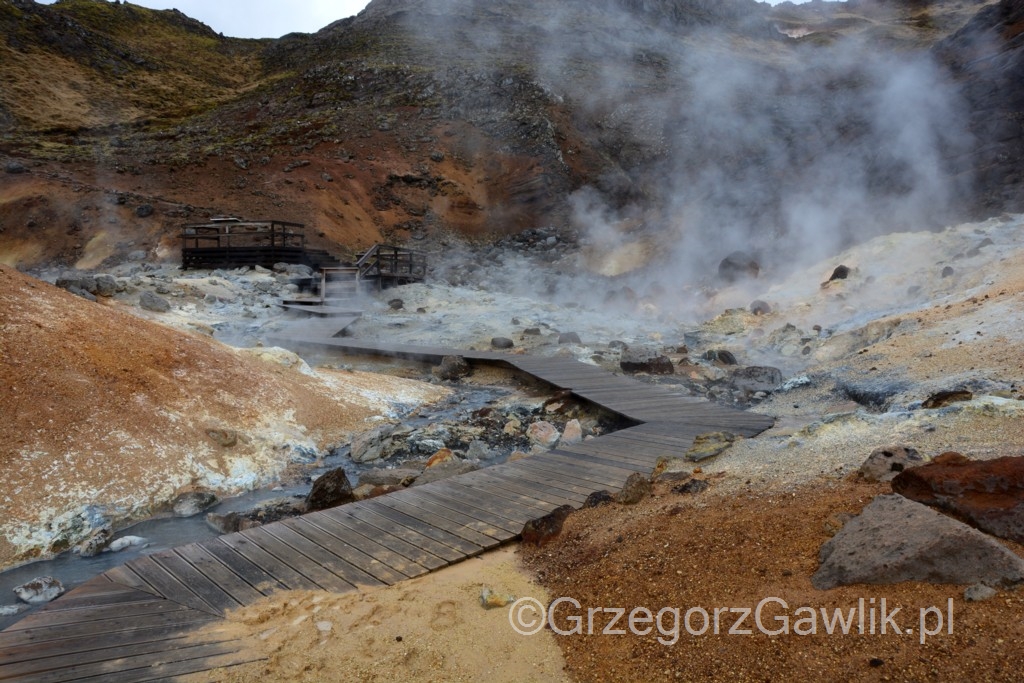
[266, 18]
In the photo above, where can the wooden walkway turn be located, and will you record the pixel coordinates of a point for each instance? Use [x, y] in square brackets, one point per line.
[137, 622]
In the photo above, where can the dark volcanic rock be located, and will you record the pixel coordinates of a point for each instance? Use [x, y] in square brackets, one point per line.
[502, 343]
[636, 488]
[646, 360]
[738, 266]
[840, 273]
[569, 338]
[543, 530]
[720, 356]
[945, 398]
[598, 498]
[692, 486]
[756, 378]
[758, 307]
[330, 490]
[987, 494]
[885, 463]
[152, 302]
[895, 539]
[452, 368]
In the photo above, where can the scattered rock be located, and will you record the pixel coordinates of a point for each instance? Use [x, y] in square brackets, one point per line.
[478, 450]
[572, 433]
[617, 344]
[947, 271]
[636, 488]
[756, 378]
[543, 434]
[710, 444]
[758, 307]
[598, 498]
[945, 398]
[370, 445]
[40, 590]
[452, 368]
[692, 486]
[895, 539]
[95, 543]
[152, 302]
[15, 167]
[979, 592]
[543, 530]
[229, 523]
[987, 494]
[738, 266]
[11, 610]
[512, 427]
[330, 490]
[645, 360]
[396, 304]
[490, 599]
[840, 273]
[569, 338]
[106, 285]
[144, 210]
[502, 343]
[192, 503]
[532, 332]
[119, 544]
[720, 356]
[441, 457]
[885, 463]
[399, 476]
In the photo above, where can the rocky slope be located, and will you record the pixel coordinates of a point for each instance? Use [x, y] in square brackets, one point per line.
[723, 124]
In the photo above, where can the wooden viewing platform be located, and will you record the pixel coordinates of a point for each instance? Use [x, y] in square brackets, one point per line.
[133, 623]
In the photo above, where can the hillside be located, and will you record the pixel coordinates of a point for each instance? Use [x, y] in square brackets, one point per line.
[732, 123]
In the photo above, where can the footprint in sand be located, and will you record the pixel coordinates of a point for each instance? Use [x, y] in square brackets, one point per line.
[445, 616]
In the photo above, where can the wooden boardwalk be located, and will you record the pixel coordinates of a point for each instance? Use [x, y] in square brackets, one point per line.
[137, 622]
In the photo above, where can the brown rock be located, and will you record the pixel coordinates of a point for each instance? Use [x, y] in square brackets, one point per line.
[987, 494]
[543, 434]
[445, 455]
[636, 488]
[330, 490]
[945, 398]
[543, 530]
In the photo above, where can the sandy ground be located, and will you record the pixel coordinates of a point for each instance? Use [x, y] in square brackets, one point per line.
[433, 628]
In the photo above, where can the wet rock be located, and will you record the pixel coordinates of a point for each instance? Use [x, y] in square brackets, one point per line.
[329, 490]
[370, 445]
[646, 360]
[569, 338]
[979, 592]
[144, 210]
[452, 368]
[710, 444]
[636, 488]
[441, 457]
[756, 378]
[399, 476]
[543, 530]
[192, 503]
[720, 356]
[445, 470]
[119, 544]
[502, 343]
[396, 304]
[895, 539]
[692, 486]
[840, 273]
[40, 590]
[11, 610]
[598, 498]
[945, 398]
[758, 307]
[543, 434]
[230, 522]
[95, 543]
[885, 463]
[153, 302]
[738, 266]
[987, 494]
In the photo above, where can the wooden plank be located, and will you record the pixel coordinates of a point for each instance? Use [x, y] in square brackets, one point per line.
[387, 549]
[458, 499]
[363, 568]
[252, 551]
[311, 559]
[597, 460]
[384, 519]
[554, 478]
[57, 638]
[540, 490]
[580, 467]
[170, 586]
[197, 582]
[512, 505]
[261, 581]
[75, 600]
[186, 658]
[153, 605]
[126, 577]
[628, 453]
[240, 590]
[455, 543]
[426, 507]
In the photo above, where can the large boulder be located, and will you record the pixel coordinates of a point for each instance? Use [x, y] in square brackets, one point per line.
[452, 368]
[895, 539]
[543, 434]
[987, 494]
[153, 302]
[330, 490]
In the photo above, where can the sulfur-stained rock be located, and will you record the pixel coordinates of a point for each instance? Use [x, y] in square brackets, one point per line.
[710, 444]
[987, 494]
